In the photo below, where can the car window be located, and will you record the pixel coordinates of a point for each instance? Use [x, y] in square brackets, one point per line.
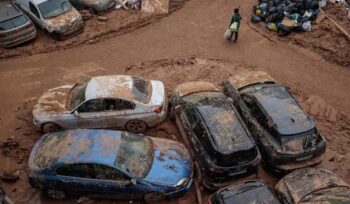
[77, 95]
[117, 105]
[95, 105]
[13, 23]
[77, 170]
[34, 10]
[53, 8]
[142, 89]
[108, 173]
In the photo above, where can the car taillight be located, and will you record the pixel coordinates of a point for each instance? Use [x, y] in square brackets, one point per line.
[158, 109]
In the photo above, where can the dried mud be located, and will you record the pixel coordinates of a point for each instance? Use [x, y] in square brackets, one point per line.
[334, 125]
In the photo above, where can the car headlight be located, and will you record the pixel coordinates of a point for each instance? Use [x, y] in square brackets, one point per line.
[182, 182]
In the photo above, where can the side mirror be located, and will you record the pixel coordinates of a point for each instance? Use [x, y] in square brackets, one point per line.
[134, 181]
[76, 114]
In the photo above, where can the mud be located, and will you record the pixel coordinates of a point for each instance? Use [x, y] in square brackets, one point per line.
[118, 23]
[193, 87]
[245, 78]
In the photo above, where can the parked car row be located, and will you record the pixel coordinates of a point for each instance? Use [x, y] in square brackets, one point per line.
[59, 18]
[227, 134]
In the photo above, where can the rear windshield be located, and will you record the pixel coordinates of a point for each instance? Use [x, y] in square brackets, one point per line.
[77, 95]
[260, 195]
[13, 23]
[142, 89]
[135, 154]
[52, 8]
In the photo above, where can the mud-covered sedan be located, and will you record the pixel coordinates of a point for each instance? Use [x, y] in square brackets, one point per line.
[221, 144]
[287, 137]
[109, 164]
[116, 101]
[98, 6]
[313, 185]
[247, 192]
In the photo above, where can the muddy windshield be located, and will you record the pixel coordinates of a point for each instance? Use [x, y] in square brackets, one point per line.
[142, 89]
[13, 23]
[135, 154]
[53, 8]
[77, 95]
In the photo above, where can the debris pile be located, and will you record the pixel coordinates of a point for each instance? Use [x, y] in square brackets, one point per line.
[126, 4]
[286, 16]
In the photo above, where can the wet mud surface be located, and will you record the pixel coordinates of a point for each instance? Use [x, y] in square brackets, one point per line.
[18, 134]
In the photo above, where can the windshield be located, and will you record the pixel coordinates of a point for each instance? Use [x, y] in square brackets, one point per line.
[13, 23]
[77, 95]
[135, 154]
[52, 8]
[301, 141]
[141, 89]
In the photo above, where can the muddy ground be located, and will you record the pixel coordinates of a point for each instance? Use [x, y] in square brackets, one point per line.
[195, 30]
[334, 125]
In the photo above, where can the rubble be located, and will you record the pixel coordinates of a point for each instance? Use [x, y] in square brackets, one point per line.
[155, 6]
[10, 176]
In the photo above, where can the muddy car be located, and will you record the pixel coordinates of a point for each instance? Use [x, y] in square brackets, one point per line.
[15, 27]
[222, 146]
[109, 164]
[312, 185]
[287, 137]
[98, 6]
[57, 17]
[247, 192]
[116, 101]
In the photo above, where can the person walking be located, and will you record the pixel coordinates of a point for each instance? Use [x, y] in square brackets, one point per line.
[235, 24]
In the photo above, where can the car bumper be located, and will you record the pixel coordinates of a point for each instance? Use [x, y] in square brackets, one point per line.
[286, 168]
[179, 192]
[158, 117]
[19, 40]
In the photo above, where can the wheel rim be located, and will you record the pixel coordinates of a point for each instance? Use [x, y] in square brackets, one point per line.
[136, 126]
[56, 194]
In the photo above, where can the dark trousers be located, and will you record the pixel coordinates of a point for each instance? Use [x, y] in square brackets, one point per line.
[236, 35]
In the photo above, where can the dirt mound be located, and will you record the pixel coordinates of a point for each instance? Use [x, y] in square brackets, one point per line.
[118, 23]
[326, 39]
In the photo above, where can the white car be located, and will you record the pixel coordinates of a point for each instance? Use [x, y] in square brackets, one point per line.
[57, 17]
[119, 101]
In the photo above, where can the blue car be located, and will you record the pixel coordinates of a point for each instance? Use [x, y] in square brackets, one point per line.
[109, 164]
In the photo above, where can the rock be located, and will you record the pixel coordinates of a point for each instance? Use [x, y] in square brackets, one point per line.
[102, 18]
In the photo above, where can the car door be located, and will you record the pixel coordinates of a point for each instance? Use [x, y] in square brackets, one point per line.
[90, 114]
[118, 112]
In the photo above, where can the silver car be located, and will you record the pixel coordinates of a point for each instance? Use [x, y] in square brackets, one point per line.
[121, 102]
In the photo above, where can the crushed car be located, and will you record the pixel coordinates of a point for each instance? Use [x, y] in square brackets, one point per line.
[15, 27]
[287, 137]
[114, 101]
[98, 6]
[109, 164]
[221, 144]
[313, 185]
[56, 17]
[247, 192]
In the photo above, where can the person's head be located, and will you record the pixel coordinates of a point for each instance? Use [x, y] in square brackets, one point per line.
[236, 10]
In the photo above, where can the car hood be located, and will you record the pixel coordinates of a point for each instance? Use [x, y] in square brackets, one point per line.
[171, 163]
[300, 183]
[66, 19]
[52, 102]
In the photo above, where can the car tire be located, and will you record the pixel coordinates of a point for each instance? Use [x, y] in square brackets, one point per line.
[153, 197]
[55, 194]
[136, 126]
[50, 127]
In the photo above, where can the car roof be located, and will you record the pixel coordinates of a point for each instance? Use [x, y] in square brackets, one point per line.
[285, 112]
[8, 11]
[194, 87]
[302, 182]
[246, 78]
[113, 86]
[78, 146]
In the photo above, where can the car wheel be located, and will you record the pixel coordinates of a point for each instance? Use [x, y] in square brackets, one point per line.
[50, 127]
[136, 126]
[56, 194]
[153, 197]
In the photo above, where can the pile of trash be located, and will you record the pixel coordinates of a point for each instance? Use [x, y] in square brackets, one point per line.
[126, 4]
[286, 16]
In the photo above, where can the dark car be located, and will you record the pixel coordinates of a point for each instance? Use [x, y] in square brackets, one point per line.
[247, 192]
[217, 137]
[313, 185]
[98, 6]
[15, 27]
[110, 164]
[287, 137]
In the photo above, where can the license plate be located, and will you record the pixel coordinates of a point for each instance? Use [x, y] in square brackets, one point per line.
[304, 158]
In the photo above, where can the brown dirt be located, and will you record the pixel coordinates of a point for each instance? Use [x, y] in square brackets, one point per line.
[326, 39]
[321, 87]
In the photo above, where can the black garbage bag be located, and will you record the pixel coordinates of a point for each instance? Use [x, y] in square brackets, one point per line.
[263, 16]
[255, 19]
[283, 30]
